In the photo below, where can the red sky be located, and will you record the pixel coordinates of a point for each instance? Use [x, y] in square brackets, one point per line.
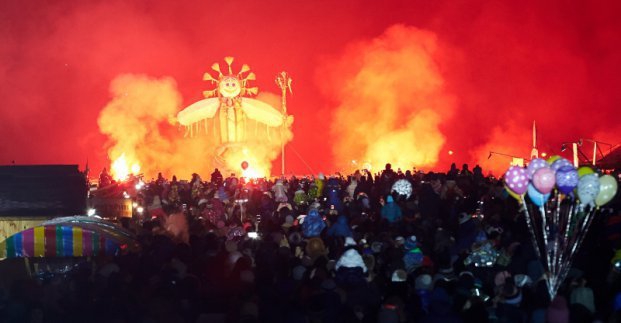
[501, 66]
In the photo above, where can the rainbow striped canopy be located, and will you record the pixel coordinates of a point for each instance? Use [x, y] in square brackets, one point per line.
[66, 239]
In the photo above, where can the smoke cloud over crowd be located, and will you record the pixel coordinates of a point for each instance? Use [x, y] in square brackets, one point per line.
[399, 81]
[391, 100]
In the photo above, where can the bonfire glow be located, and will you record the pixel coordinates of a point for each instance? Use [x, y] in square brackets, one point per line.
[251, 172]
[121, 168]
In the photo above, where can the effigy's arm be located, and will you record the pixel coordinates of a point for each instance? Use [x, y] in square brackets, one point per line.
[198, 111]
[261, 112]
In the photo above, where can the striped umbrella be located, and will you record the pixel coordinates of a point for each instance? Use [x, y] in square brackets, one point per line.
[59, 241]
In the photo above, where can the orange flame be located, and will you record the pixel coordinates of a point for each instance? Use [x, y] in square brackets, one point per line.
[257, 167]
[121, 168]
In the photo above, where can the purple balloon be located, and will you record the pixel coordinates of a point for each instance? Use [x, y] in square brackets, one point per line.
[534, 165]
[560, 163]
[517, 180]
[544, 180]
[567, 179]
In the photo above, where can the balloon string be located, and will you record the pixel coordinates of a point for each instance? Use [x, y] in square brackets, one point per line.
[530, 228]
[581, 234]
[555, 226]
[565, 241]
[561, 262]
[544, 227]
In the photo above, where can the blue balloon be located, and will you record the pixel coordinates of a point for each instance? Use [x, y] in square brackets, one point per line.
[567, 179]
[560, 163]
[534, 165]
[536, 197]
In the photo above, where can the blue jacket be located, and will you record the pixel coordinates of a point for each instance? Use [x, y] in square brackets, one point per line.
[391, 211]
[340, 228]
[313, 224]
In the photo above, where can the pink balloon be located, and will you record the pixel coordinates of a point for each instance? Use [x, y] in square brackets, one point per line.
[544, 180]
[516, 179]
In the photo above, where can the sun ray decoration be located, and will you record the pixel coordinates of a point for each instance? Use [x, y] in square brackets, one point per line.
[232, 117]
[230, 88]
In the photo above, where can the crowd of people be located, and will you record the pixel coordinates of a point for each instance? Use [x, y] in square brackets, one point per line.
[441, 247]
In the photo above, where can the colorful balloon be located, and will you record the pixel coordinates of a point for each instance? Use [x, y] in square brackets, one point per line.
[588, 188]
[607, 190]
[513, 194]
[536, 197]
[585, 170]
[553, 158]
[566, 179]
[534, 165]
[544, 180]
[516, 179]
[244, 165]
[560, 163]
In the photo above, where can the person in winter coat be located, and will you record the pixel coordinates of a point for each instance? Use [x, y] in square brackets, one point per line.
[391, 211]
[413, 256]
[313, 224]
[333, 193]
[350, 268]
[340, 228]
[280, 192]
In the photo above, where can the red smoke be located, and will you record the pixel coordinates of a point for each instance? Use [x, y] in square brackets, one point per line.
[503, 64]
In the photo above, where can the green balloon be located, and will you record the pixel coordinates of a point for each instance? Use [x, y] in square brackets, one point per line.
[607, 190]
[585, 170]
[553, 159]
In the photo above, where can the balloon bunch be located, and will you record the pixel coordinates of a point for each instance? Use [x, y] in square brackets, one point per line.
[563, 201]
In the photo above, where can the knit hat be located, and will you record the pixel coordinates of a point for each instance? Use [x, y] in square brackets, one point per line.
[399, 240]
[411, 242]
[423, 282]
[412, 259]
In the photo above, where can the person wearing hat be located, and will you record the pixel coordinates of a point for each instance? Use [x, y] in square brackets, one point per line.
[391, 212]
[313, 224]
[288, 223]
[413, 256]
[340, 228]
[350, 269]
[422, 287]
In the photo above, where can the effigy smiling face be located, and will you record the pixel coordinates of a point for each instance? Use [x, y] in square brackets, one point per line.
[229, 87]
